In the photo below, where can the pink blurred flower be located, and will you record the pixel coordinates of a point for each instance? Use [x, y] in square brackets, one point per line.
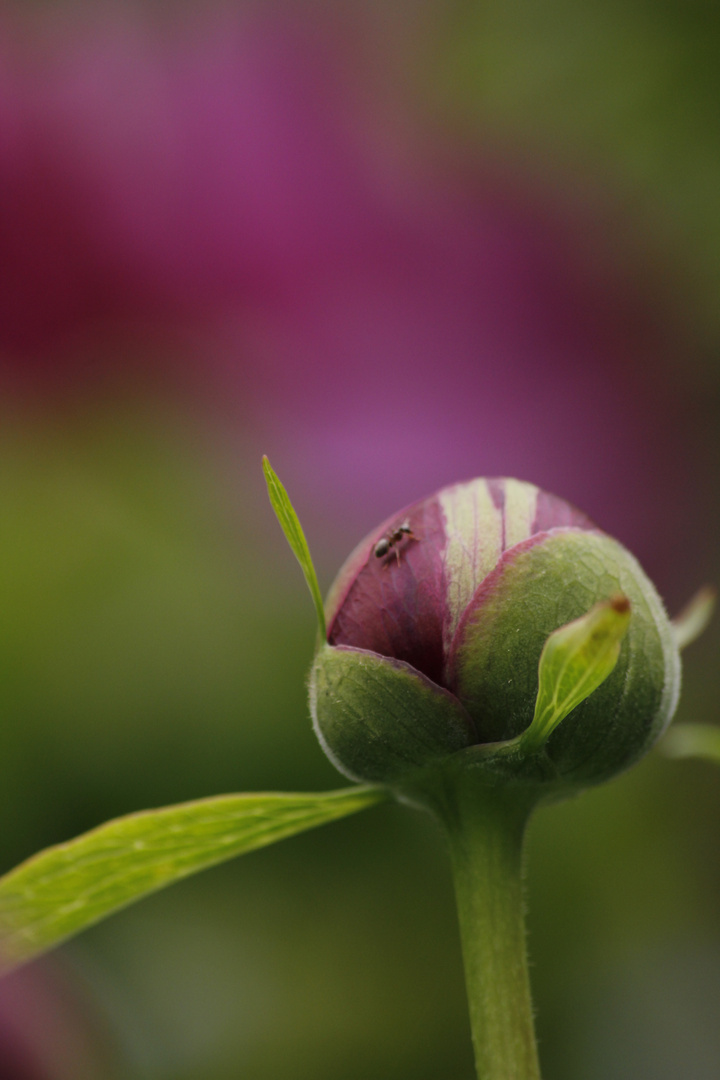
[48, 1030]
[242, 202]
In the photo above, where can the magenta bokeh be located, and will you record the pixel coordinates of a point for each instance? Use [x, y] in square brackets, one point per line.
[243, 208]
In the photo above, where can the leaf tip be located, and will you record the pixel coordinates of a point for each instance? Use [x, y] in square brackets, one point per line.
[290, 525]
[694, 618]
[620, 604]
[701, 741]
[268, 471]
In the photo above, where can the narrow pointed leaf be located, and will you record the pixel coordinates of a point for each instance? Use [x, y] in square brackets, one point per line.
[575, 660]
[290, 524]
[66, 888]
[690, 623]
[692, 741]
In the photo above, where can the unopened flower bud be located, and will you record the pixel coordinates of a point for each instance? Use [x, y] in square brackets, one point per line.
[436, 626]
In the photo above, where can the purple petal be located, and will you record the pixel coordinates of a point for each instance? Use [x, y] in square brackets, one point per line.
[394, 605]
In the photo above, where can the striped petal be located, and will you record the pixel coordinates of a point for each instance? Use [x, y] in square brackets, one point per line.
[407, 602]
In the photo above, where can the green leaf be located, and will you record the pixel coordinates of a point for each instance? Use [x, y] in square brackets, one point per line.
[66, 888]
[295, 537]
[692, 741]
[575, 660]
[689, 623]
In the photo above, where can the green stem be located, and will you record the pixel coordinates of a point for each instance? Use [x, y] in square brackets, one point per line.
[485, 827]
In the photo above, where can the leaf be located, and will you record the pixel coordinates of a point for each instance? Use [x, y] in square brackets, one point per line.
[64, 889]
[574, 661]
[290, 524]
[692, 741]
[689, 623]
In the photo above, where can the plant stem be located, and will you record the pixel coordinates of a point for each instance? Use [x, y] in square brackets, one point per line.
[485, 828]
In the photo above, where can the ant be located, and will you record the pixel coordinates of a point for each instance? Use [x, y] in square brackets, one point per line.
[387, 542]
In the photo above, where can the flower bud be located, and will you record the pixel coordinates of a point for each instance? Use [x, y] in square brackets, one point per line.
[436, 626]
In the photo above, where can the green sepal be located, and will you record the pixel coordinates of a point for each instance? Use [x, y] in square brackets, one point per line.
[574, 662]
[380, 719]
[64, 889]
[290, 524]
[536, 589]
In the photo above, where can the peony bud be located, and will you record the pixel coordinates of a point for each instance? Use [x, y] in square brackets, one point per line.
[436, 626]
[484, 650]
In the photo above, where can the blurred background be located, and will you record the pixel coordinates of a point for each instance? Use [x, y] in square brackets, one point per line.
[392, 245]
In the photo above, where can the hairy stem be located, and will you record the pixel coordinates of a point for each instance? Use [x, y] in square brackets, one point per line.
[485, 829]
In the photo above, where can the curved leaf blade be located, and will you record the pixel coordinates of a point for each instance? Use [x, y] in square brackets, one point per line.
[691, 622]
[692, 741]
[290, 525]
[66, 888]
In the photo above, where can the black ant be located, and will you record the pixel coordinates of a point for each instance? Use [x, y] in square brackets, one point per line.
[387, 542]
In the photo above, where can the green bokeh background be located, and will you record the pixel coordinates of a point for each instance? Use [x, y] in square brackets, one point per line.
[144, 621]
